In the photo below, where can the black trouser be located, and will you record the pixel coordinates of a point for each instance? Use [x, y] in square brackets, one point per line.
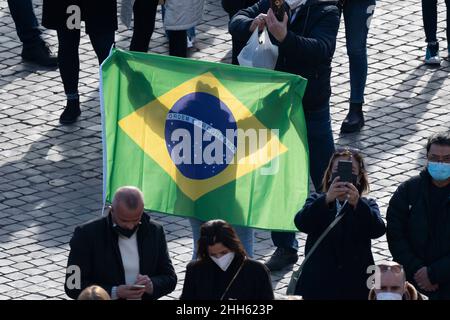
[177, 43]
[144, 24]
[27, 26]
[236, 48]
[429, 13]
[68, 58]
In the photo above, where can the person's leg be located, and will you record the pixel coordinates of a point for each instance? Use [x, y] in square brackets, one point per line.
[357, 15]
[429, 15]
[69, 68]
[236, 48]
[144, 24]
[246, 235]
[195, 225]
[447, 3]
[34, 48]
[286, 250]
[27, 26]
[190, 37]
[321, 144]
[102, 43]
[177, 43]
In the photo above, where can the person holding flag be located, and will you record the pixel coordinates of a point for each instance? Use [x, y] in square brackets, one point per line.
[306, 38]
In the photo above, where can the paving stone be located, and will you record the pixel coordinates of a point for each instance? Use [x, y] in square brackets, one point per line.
[51, 175]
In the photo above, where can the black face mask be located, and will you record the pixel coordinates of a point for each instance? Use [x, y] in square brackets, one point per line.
[354, 178]
[125, 232]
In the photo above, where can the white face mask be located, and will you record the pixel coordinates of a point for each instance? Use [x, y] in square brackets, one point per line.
[294, 4]
[224, 261]
[389, 296]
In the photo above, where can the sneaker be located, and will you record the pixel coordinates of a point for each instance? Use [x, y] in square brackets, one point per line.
[432, 54]
[71, 112]
[190, 42]
[354, 120]
[281, 258]
[39, 54]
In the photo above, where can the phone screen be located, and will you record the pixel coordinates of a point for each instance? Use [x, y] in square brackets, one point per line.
[137, 286]
[345, 170]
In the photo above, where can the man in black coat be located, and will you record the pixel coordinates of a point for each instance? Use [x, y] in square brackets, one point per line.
[418, 222]
[125, 253]
[306, 39]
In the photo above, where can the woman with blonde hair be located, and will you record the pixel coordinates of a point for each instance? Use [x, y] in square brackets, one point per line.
[94, 293]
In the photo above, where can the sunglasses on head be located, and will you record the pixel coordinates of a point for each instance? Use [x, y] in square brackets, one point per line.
[394, 268]
[346, 151]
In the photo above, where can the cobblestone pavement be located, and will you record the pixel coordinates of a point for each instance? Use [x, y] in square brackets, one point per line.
[51, 175]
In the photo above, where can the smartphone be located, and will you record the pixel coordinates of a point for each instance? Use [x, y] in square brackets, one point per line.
[278, 8]
[344, 170]
[138, 286]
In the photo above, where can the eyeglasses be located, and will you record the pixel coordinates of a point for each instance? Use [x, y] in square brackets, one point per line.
[436, 158]
[394, 268]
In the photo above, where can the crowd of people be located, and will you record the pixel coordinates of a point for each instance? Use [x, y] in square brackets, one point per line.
[125, 253]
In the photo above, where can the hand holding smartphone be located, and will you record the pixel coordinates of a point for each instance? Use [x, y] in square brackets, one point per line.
[278, 8]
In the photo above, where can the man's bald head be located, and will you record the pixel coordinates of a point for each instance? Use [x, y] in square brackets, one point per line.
[127, 207]
[392, 277]
[129, 196]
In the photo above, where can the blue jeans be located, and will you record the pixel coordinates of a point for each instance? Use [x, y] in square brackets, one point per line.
[321, 148]
[245, 234]
[357, 14]
[27, 26]
[429, 14]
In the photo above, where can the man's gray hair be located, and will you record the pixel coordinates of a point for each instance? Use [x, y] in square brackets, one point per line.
[130, 196]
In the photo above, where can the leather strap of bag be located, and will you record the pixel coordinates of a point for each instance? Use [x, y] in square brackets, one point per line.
[232, 280]
[296, 274]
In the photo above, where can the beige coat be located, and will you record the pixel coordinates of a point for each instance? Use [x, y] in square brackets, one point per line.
[183, 14]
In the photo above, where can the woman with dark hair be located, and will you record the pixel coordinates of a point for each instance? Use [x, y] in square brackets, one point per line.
[337, 269]
[223, 271]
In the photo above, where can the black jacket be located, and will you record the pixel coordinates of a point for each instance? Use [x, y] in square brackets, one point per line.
[233, 6]
[206, 281]
[307, 49]
[338, 267]
[98, 15]
[409, 235]
[94, 248]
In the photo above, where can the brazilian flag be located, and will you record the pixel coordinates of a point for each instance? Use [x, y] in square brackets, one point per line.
[205, 140]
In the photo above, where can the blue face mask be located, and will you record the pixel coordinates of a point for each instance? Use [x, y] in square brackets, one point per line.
[439, 171]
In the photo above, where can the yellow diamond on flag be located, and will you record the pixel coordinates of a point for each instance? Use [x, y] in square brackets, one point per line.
[254, 146]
